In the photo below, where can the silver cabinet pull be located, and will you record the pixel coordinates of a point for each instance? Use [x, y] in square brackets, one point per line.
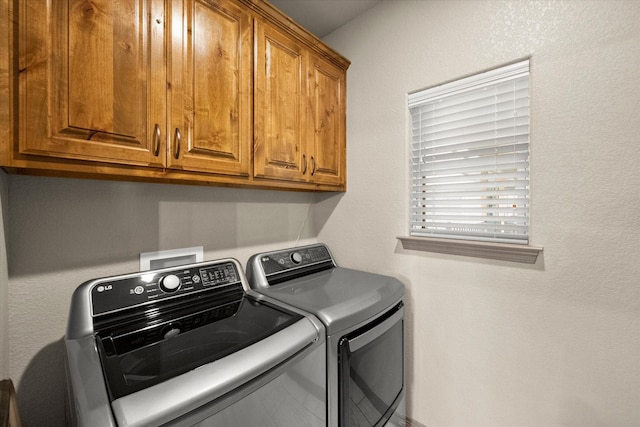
[177, 141]
[156, 131]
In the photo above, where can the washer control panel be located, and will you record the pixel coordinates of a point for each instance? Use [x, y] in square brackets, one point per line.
[140, 288]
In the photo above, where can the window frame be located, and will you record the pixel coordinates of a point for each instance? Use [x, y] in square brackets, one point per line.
[514, 248]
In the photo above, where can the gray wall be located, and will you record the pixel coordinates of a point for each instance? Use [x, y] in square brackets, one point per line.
[496, 343]
[4, 281]
[489, 343]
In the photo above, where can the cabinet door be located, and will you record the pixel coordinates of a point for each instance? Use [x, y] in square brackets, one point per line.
[92, 80]
[328, 123]
[280, 102]
[210, 87]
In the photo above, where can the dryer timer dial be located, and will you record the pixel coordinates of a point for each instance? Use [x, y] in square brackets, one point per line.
[296, 257]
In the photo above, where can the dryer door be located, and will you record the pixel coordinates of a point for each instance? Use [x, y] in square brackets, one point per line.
[371, 371]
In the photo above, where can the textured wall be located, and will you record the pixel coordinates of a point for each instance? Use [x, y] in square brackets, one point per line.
[495, 343]
[5, 135]
[65, 231]
[4, 281]
[490, 343]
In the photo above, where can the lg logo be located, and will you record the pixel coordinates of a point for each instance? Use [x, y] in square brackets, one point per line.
[102, 288]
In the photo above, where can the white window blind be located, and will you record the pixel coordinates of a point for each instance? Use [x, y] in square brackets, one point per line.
[470, 157]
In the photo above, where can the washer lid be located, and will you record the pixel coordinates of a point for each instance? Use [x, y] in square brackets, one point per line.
[165, 402]
[339, 297]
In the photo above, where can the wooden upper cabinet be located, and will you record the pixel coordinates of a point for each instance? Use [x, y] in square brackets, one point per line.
[280, 127]
[210, 87]
[328, 122]
[300, 115]
[202, 91]
[92, 80]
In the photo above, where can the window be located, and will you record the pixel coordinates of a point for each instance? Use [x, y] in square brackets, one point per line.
[470, 158]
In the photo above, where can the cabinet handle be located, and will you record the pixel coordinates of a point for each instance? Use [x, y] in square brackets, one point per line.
[156, 131]
[304, 164]
[313, 165]
[178, 141]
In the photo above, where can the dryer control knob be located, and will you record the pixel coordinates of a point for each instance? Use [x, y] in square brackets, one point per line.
[170, 283]
[296, 257]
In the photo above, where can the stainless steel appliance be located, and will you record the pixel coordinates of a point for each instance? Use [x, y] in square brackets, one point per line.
[363, 314]
[192, 345]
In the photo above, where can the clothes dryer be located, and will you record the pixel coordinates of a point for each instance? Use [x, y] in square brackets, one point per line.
[363, 314]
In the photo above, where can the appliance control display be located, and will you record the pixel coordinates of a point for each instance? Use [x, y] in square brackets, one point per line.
[144, 287]
[277, 262]
[219, 274]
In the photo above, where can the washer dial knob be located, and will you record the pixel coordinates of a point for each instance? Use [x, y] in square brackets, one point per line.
[296, 257]
[170, 283]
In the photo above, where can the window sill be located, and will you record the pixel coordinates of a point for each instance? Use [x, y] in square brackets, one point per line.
[500, 251]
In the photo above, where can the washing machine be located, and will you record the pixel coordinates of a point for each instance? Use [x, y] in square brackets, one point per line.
[192, 345]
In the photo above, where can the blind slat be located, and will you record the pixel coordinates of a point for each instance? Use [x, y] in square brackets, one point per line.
[463, 195]
[484, 163]
[477, 135]
[467, 203]
[420, 147]
[431, 154]
[490, 178]
[476, 227]
[500, 212]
